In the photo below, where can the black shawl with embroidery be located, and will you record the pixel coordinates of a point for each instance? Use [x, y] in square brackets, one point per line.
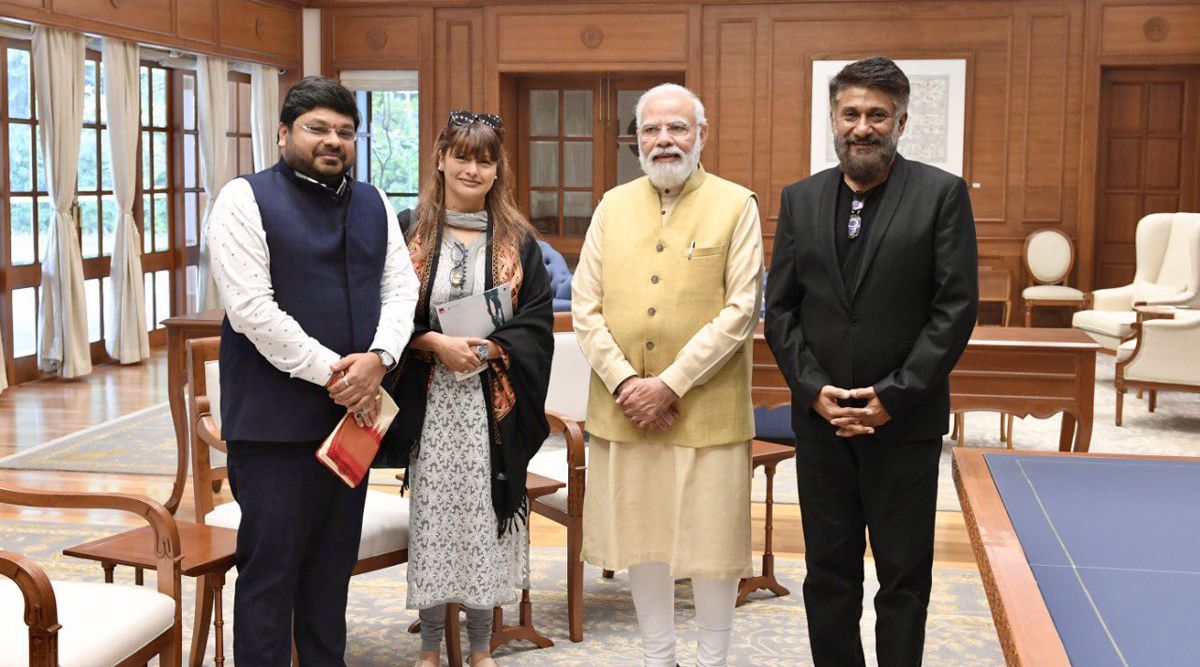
[514, 387]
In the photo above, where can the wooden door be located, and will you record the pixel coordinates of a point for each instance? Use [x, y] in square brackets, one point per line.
[576, 139]
[1148, 158]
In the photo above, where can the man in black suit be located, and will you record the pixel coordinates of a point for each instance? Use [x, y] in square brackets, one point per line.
[872, 297]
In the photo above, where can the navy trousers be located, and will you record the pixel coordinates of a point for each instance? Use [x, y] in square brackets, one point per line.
[296, 547]
[887, 490]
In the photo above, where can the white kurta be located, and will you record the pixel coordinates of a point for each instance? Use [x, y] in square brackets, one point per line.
[645, 502]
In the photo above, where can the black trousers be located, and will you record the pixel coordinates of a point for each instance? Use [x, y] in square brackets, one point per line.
[888, 490]
[296, 547]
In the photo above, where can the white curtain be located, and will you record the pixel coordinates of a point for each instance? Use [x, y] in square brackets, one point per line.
[264, 115]
[58, 73]
[125, 333]
[212, 73]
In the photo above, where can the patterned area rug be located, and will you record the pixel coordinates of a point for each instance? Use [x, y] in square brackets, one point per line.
[144, 442]
[768, 631]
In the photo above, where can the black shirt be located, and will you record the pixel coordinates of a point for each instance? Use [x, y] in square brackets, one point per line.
[850, 250]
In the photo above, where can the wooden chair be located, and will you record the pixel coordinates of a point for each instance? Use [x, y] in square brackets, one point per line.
[106, 624]
[995, 286]
[1049, 257]
[385, 520]
[566, 407]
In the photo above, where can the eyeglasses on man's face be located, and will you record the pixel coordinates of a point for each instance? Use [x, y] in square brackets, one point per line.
[318, 130]
[874, 117]
[676, 129]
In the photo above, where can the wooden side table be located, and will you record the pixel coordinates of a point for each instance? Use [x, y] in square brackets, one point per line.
[536, 486]
[768, 455]
[208, 553]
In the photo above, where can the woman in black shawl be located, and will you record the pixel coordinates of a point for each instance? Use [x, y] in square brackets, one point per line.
[466, 443]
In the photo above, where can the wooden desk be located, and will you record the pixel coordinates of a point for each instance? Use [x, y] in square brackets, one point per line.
[207, 551]
[1036, 372]
[179, 330]
[1023, 372]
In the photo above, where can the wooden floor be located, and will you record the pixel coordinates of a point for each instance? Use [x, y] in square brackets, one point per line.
[35, 412]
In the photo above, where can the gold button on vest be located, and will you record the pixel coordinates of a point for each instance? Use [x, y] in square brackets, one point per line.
[652, 326]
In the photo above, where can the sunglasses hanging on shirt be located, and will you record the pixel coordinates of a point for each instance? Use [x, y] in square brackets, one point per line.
[854, 228]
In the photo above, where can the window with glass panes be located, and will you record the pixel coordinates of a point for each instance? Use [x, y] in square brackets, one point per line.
[189, 186]
[239, 151]
[388, 152]
[155, 200]
[94, 195]
[26, 211]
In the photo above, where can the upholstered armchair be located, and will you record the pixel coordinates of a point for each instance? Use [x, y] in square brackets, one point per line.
[1049, 257]
[1160, 357]
[46, 623]
[560, 277]
[1168, 274]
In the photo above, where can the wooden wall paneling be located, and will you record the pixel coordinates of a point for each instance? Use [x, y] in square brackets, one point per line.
[374, 39]
[191, 25]
[259, 28]
[149, 15]
[1045, 118]
[1150, 29]
[644, 34]
[734, 77]
[458, 64]
[197, 19]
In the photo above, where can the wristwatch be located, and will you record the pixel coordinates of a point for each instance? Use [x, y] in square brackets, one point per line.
[385, 358]
[481, 351]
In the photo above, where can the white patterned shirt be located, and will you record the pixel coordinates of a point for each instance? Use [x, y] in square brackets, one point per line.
[241, 267]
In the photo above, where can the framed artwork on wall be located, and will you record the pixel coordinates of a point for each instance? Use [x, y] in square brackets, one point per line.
[936, 113]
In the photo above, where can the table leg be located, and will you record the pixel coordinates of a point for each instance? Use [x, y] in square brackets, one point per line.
[503, 634]
[767, 579]
[139, 577]
[108, 571]
[1066, 435]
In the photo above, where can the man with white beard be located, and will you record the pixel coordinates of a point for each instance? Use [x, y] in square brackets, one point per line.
[665, 300]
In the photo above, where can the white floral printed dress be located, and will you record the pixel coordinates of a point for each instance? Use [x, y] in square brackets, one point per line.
[454, 554]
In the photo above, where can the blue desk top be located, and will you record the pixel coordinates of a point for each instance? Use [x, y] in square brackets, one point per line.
[1114, 545]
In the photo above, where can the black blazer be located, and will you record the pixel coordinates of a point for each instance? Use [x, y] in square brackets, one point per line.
[902, 324]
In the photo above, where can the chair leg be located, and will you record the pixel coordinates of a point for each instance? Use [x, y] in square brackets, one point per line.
[1009, 442]
[1153, 399]
[575, 579]
[960, 421]
[1120, 404]
[454, 654]
[1139, 394]
[1028, 316]
[608, 574]
[202, 621]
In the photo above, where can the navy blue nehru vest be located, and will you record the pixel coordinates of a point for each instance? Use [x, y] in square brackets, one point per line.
[327, 256]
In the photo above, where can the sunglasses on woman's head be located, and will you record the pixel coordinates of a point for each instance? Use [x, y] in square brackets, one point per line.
[464, 117]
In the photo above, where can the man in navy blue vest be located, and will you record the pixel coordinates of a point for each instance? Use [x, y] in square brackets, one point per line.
[319, 297]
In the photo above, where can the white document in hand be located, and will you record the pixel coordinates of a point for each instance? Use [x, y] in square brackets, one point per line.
[476, 316]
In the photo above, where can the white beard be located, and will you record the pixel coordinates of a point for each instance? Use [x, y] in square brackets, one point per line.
[668, 175]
